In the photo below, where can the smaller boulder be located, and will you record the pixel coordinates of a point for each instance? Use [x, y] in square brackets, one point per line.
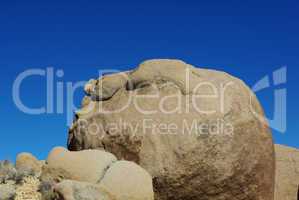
[26, 162]
[74, 190]
[7, 192]
[126, 180]
[87, 166]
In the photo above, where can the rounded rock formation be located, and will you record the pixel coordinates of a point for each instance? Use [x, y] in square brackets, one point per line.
[200, 133]
[87, 166]
[27, 162]
[126, 180]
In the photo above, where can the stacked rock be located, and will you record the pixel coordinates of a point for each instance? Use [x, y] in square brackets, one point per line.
[95, 174]
[65, 175]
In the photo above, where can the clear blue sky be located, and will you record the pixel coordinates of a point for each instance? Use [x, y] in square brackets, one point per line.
[248, 39]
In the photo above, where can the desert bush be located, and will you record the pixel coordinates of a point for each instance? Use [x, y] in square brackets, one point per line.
[7, 171]
[23, 173]
[7, 192]
[46, 188]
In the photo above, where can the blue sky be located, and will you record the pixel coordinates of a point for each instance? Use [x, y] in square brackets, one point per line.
[247, 39]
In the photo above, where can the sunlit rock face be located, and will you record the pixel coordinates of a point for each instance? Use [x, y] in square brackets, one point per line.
[287, 173]
[200, 133]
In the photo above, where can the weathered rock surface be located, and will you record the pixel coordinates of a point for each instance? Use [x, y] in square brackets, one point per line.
[106, 87]
[185, 163]
[27, 162]
[126, 180]
[74, 190]
[87, 166]
[287, 173]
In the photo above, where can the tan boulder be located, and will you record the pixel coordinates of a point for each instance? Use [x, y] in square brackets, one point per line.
[26, 161]
[287, 173]
[126, 180]
[54, 175]
[198, 132]
[86, 166]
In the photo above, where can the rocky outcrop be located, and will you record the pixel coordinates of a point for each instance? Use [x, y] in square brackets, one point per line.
[84, 175]
[287, 173]
[122, 180]
[96, 174]
[167, 116]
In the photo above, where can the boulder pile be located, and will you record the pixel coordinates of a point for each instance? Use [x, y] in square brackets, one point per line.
[65, 175]
[165, 131]
[31, 179]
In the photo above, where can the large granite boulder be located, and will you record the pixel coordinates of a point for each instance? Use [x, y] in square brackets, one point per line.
[87, 166]
[199, 133]
[287, 173]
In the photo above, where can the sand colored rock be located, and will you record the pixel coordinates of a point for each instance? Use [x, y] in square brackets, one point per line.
[211, 163]
[126, 180]
[26, 161]
[54, 175]
[287, 173]
[106, 87]
[86, 166]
